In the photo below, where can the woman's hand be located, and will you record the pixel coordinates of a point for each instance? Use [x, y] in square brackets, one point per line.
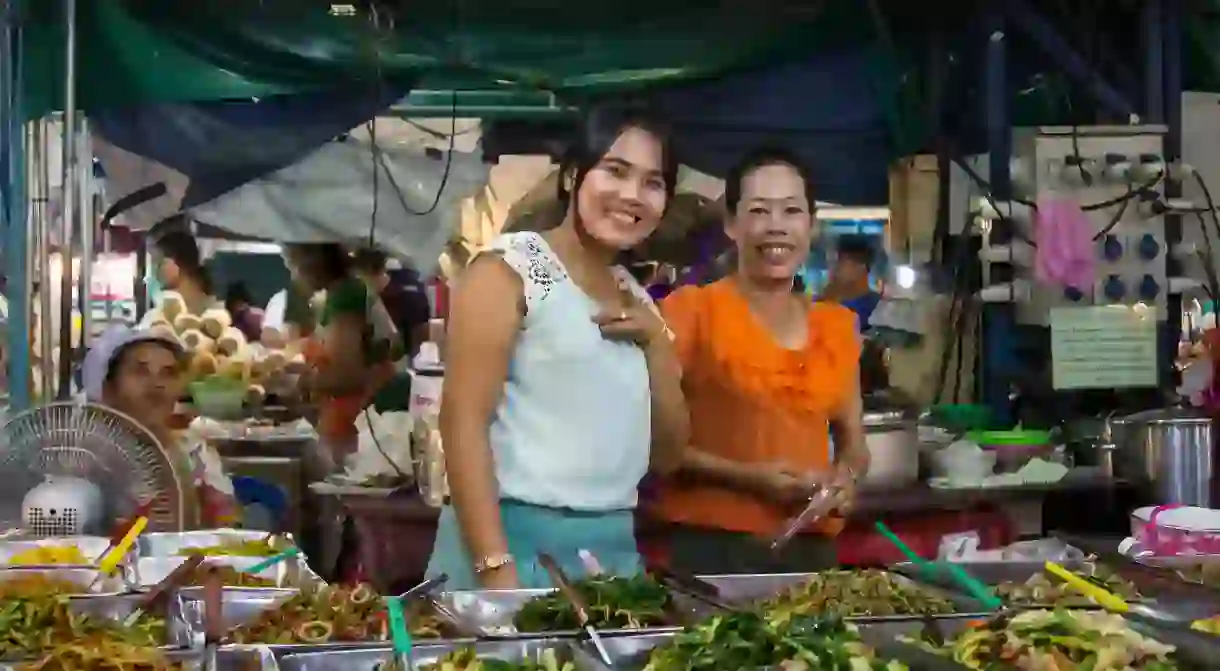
[842, 480]
[782, 485]
[635, 324]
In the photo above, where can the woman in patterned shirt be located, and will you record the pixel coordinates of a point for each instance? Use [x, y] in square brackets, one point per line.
[140, 373]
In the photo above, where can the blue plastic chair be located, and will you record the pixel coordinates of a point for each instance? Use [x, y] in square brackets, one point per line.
[251, 492]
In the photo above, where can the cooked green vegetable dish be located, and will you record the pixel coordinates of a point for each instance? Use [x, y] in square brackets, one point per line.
[613, 603]
[29, 627]
[1059, 640]
[838, 593]
[750, 641]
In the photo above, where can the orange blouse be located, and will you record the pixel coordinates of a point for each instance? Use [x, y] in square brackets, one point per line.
[753, 401]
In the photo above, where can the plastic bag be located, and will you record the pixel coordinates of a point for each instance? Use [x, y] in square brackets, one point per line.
[383, 452]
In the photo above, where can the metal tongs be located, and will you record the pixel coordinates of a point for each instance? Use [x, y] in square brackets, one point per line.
[213, 618]
[162, 590]
[819, 506]
[578, 604]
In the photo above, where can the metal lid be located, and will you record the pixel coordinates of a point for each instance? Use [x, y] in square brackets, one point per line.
[1175, 415]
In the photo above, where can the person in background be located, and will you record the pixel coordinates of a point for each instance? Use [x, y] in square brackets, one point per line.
[351, 353]
[140, 373]
[766, 374]
[180, 269]
[407, 305]
[289, 317]
[561, 387]
[247, 318]
[849, 279]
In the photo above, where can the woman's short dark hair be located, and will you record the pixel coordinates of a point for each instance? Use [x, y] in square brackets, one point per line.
[598, 132]
[329, 258]
[369, 260]
[856, 248]
[761, 158]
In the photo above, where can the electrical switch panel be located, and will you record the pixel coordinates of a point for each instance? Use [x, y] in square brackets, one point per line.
[1115, 174]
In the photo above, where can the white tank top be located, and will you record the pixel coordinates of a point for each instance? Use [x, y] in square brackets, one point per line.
[572, 429]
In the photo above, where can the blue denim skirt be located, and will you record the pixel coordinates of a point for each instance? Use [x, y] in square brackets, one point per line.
[530, 530]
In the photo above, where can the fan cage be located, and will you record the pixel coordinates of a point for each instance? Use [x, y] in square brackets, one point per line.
[99, 444]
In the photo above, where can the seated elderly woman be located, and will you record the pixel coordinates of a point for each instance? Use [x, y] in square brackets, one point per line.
[140, 373]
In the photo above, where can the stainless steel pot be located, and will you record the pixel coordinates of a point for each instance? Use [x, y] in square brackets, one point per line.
[1172, 450]
[892, 438]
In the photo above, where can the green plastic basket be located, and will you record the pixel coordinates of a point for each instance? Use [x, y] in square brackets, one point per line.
[961, 417]
[219, 397]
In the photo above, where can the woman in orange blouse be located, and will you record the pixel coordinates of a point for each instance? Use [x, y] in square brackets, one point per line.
[767, 375]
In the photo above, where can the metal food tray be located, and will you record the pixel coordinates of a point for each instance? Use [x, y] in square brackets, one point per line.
[227, 659]
[368, 658]
[92, 547]
[630, 653]
[747, 589]
[241, 606]
[994, 573]
[90, 579]
[291, 573]
[169, 544]
[490, 612]
[117, 608]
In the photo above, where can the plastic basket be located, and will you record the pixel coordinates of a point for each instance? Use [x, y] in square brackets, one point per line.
[394, 535]
[219, 397]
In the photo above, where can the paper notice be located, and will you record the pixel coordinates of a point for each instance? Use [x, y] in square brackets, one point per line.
[1103, 347]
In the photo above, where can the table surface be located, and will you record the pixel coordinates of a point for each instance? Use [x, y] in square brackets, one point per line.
[921, 497]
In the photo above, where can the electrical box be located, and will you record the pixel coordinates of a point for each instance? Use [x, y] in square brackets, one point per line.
[1116, 175]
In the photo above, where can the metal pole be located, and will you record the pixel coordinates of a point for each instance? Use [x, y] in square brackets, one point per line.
[44, 129]
[1172, 31]
[995, 365]
[13, 205]
[68, 210]
[88, 222]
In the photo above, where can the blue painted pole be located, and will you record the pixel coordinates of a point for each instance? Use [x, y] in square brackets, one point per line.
[16, 240]
[1054, 45]
[997, 347]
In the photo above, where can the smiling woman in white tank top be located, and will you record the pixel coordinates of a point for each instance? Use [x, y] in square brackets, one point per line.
[561, 388]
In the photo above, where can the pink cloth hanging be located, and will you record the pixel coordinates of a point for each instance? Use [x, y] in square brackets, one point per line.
[1064, 236]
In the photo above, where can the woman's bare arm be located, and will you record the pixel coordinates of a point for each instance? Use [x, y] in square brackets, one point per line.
[345, 371]
[484, 320]
[847, 427]
[670, 417]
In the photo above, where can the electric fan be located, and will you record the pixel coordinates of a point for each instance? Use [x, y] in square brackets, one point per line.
[75, 469]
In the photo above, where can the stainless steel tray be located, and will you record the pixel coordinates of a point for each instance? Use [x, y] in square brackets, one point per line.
[367, 659]
[241, 606]
[226, 660]
[490, 613]
[168, 544]
[117, 608]
[630, 653]
[292, 573]
[91, 580]
[747, 589]
[92, 547]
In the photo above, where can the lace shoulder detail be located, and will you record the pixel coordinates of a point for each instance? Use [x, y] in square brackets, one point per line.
[528, 254]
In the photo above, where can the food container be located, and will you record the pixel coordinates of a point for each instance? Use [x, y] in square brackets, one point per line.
[995, 573]
[91, 580]
[119, 607]
[745, 589]
[92, 547]
[893, 445]
[241, 606]
[490, 613]
[227, 659]
[1176, 530]
[630, 653]
[367, 659]
[291, 573]
[168, 544]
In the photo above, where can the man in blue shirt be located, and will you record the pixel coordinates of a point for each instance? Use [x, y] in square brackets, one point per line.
[849, 278]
